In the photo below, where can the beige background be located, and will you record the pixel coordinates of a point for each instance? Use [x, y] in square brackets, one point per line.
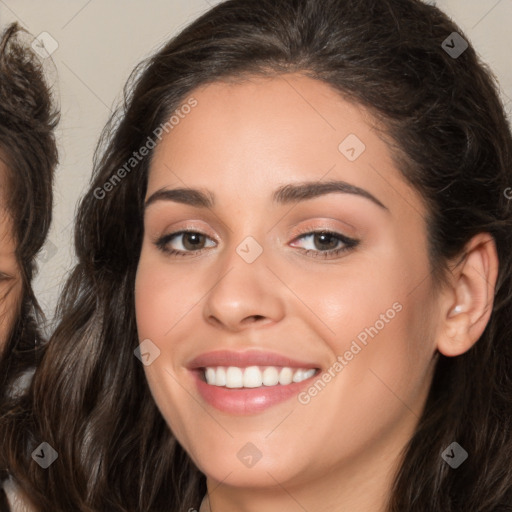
[99, 43]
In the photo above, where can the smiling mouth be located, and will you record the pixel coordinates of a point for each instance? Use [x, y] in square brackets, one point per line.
[234, 377]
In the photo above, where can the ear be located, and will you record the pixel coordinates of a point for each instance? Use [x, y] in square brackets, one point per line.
[466, 304]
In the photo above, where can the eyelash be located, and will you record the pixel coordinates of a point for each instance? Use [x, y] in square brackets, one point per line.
[349, 243]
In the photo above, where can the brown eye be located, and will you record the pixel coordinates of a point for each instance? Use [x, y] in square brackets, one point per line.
[326, 244]
[193, 241]
[325, 241]
[183, 242]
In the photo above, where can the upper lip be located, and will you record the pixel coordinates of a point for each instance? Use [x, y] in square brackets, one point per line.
[246, 358]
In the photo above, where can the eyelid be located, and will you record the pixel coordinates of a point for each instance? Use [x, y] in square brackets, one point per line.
[332, 224]
[308, 230]
[180, 227]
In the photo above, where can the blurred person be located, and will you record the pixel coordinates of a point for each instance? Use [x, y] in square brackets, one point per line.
[28, 157]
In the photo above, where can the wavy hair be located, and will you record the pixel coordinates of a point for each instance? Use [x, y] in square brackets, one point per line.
[28, 117]
[449, 136]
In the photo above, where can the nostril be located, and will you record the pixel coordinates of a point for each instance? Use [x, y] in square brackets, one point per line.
[254, 318]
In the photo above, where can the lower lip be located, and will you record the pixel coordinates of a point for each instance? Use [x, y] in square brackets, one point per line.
[247, 400]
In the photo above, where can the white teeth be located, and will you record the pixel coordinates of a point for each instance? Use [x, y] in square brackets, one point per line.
[210, 375]
[252, 377]
[255, 376]
[298, 376]
[234, 377]
[308, 374]
[270, 376]
[220, 376]
[285, 376]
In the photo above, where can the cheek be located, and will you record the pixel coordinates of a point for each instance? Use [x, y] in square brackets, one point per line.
[164, 302]
[380, 371]
[376, 320]
[163, 295]
[349, 302]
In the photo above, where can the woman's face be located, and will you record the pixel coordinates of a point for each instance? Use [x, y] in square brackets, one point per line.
[10, 282]
[259, 299]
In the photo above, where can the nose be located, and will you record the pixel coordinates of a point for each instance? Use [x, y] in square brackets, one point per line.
[245, 295]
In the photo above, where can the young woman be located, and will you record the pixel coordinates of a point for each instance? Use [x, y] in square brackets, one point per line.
[28, 157]
[293, 288]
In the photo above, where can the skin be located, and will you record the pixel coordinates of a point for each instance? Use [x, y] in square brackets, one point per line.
[339, 451]
[10, 281]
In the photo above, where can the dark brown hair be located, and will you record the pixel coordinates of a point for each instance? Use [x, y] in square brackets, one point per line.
[29, 152]
[450, 138]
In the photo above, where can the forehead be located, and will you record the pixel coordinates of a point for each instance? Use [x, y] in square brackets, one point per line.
[288, 112]
[251, 135]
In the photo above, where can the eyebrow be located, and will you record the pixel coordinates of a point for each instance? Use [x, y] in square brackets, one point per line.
[286, 194]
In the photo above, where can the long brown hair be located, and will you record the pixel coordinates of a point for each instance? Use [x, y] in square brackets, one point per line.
[28, 117]
[451, 141]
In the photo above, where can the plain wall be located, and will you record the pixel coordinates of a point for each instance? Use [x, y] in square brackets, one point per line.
[99, 43]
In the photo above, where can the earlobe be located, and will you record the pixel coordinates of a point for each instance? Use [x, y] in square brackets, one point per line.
[469, 300]
[456, 339]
